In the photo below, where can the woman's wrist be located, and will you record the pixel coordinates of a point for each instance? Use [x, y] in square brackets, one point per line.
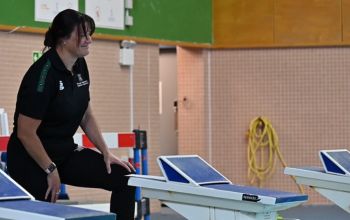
[106, 152]
[51, 168]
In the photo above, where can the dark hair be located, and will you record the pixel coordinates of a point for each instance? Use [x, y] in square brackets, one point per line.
[63, 25]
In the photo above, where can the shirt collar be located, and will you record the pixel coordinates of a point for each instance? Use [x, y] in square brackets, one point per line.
[57, 62]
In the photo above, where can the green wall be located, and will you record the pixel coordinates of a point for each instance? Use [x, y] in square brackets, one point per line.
[170, 20]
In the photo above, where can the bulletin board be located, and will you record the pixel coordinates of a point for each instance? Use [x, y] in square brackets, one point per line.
[178, 22]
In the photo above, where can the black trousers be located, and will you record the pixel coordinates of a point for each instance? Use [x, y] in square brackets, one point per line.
[85, 168]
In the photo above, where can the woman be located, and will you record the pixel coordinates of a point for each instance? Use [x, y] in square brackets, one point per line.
[52, 102]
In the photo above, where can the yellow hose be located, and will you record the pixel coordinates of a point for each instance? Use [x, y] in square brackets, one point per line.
[263, 145]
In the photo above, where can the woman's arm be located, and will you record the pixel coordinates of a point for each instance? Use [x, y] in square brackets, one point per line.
[91, 129]
[26, 133]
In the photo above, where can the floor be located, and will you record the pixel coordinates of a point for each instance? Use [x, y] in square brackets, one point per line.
[320, 212]
[316, 212]
[310, 212]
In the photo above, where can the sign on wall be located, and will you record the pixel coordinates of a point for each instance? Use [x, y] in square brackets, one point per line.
[46, 10]
[106, 13]
[36, 55]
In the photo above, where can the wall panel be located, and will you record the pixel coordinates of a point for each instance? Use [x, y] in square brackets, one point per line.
[314, 22]
[346, 21]
[243, 22]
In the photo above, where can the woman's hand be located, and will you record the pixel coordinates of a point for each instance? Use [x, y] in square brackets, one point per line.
[109, 159]
[90, 127]
[54, 184]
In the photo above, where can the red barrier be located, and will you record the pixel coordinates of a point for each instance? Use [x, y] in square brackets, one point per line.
[113, 140]
[3, 142]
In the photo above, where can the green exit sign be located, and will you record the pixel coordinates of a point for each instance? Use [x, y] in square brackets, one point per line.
[36, 55]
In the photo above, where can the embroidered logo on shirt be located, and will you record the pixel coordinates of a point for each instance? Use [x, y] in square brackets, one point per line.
[79, 77]
[61, 86]
[41, 83]
[81, 82]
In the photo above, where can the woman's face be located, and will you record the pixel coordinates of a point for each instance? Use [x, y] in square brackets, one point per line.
[78, 44]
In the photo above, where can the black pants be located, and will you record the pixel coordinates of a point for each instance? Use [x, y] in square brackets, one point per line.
[85, 168]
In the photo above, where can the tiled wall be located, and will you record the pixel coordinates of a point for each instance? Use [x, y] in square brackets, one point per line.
[304, 92]
[191, 102]
[110, 92]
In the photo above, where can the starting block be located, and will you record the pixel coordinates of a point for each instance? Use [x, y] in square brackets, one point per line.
[17, 204]
[332, 181]
[196, 190]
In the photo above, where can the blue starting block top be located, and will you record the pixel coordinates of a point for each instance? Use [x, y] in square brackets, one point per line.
[28, 209]
[10, 190]
[193, 170]
[336, 161]
[17, 203]
[190, 169]
[253, 194]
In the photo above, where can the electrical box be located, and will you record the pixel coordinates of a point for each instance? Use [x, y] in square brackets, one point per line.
[126, 57]
[129, 20]
[128, 4]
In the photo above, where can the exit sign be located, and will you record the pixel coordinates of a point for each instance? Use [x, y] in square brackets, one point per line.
[36, 55]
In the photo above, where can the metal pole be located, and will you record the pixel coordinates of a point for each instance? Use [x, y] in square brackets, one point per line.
[144, 156]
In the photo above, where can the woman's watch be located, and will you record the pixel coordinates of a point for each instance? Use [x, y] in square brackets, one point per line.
[52, 167]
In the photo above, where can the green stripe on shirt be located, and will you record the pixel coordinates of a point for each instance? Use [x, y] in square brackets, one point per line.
[42, 78]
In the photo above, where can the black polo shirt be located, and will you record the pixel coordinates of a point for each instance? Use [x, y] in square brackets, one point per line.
[58, 98]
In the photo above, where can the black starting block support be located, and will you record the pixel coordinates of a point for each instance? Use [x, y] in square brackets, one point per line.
[141, 167]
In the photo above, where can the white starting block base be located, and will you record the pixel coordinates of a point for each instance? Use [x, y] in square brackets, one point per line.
[102, 207]
[203, 203]
[196, 191]
[208, 213]
[336, 188]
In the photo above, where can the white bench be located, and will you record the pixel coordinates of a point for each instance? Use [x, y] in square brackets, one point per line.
[196, 190]
[332, 180]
